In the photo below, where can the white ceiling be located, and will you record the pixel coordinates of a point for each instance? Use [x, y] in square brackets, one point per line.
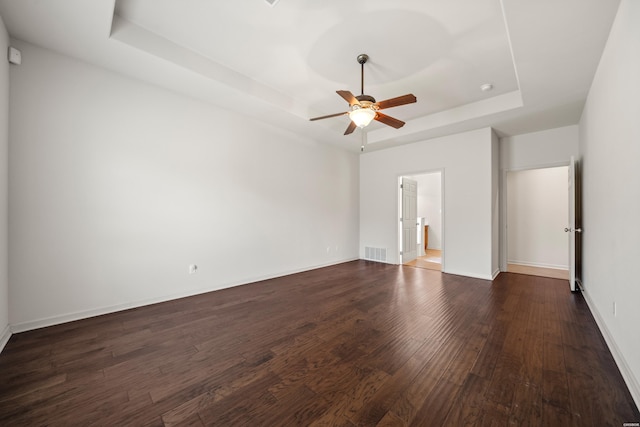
[283, 64]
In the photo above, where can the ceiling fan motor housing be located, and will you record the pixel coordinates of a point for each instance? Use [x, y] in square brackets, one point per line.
[368, 98]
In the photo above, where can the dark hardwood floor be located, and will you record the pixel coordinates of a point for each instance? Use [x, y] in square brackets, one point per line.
[359, 343]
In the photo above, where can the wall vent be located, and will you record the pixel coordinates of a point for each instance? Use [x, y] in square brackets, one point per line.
[375, 254]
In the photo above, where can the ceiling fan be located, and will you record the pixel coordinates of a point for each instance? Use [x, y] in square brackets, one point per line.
[364, 108]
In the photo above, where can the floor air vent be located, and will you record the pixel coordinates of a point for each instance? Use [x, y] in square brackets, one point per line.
[375, 254]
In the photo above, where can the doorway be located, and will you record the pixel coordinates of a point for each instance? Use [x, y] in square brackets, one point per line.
[536, 216]
[429, 221]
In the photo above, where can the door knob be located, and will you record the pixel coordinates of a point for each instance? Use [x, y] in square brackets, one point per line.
[577, 230]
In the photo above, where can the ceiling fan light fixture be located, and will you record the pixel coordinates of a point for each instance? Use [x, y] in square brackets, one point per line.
[364, 108]
[361, 116]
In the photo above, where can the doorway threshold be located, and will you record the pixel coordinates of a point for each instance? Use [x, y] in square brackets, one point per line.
[431, 261]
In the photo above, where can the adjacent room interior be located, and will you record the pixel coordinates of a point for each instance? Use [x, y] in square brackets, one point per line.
[428, 222]
[201, 219]
[537, 212]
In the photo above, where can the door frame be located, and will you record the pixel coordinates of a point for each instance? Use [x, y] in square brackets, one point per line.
[398, 228]
[503, 206]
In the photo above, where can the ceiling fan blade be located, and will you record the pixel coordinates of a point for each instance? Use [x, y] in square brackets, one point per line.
[396, 102]
[352, 126]
[388, 120]
[329, 116]
[348, 96]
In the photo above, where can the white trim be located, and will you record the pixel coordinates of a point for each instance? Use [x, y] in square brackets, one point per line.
[4, 337]
[79, 315]
[535, 264]
[539, 166]
[495, 274]
[472, 275]
[503, 219]
[627, 375]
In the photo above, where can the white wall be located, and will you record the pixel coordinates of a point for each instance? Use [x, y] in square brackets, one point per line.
[610, 148]
[116, 186]
[5, 332]
[537, 212]
[430, 205]
[466, 160]
[542, 149]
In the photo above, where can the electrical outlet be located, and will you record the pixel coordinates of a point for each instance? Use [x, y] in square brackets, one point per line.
[193, 269]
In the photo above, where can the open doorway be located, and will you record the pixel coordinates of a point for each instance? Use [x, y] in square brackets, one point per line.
[537, 205]
[429, 223]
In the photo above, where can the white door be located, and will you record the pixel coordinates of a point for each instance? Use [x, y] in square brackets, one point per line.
[573, 227]
[409, 219]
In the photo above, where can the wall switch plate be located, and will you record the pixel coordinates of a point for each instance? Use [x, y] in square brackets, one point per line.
[14, 56]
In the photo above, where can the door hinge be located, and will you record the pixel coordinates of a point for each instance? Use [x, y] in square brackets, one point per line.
[400, 219]
[400, 253]
[401, 185]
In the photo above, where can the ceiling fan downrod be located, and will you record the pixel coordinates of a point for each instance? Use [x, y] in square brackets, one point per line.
[362, 59]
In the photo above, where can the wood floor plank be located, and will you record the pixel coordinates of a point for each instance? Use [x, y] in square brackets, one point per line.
[244, 407]
[351, 402]
[359, 343]
[383, 400]
[437, 405]
[466, 410]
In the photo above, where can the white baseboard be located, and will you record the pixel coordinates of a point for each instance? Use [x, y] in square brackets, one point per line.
[535, 264]
[627, 375]
[4, 338]
[30, 325]
[85, 314]
[472, 275]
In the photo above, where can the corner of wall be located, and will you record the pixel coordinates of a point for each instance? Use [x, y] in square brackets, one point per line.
[495, 203]
[4, 182]
[626, 372]
[5, 335]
